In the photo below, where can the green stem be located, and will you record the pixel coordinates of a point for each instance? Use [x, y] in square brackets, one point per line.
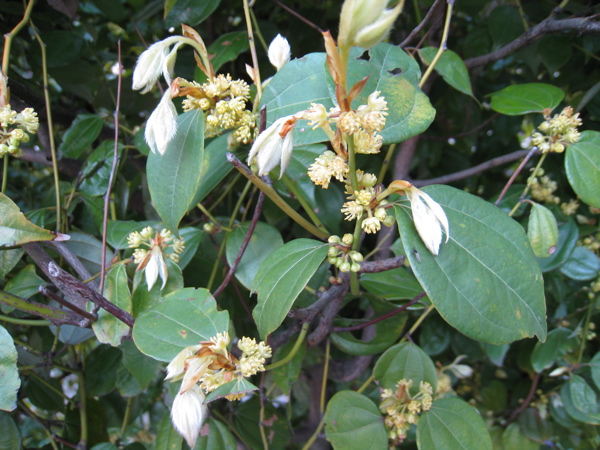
[442, 48]
[256, 80]
[126, 416]
[588, 316]
[238, 205]
[294, 350]
[258, 33]
[33, 308]
[229, 188]
[352, 164]
[324, 379]
[529, 183]
[82, 409]
[314, 436]
[365, 384]
[8, 38]
[50, 129]
[354, 285]
[31, 322]
[5, 174]
[522, 14]
[386, 163]
[205, 211]
[289, 184]
[44, 427]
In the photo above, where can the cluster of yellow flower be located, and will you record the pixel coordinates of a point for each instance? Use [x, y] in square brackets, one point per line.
[557, 131]
[341, 255]
[569, 208]
[543, 187]
[402, 408]
[153, 258]
[15, 129]
[202, 369]
[224, 100]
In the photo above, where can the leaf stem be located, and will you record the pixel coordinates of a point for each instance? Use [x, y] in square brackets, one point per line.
[324, 379]
[354, 285]
[30, 322]
[303, 202]
[386, 162]
[256, 72]
[293, 351]
[314, 436]
[443, 43]
[126, 416]
[366, 384]
[529, 184]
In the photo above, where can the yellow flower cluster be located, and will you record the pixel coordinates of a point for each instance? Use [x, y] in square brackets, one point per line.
[364, 203]
[341, 256]
[570, 207]
[16, 128]
[402, 408]
[542, 189]
[557, 131]
[211, 365]
[224, 100]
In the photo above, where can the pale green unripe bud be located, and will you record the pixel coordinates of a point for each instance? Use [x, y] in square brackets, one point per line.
[355, 267]
[345, 267]
[332, 260]
[380, 213]
[365, 23]
[210, 228]
[348, 239]
[332, 251]
[388, 221]
[356, 256]
[334, 240]
[339, 261]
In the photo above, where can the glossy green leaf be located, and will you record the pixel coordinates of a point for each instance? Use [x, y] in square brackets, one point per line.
[568, 234]
[109, 329]
[265, 239]
[184, 318]
[167, 437]
[582, 265]
[535, 426]
[215, 167]
[496, 353]
[582, 163]
[96, 170]
[192, 236]
[451, 67]
[405, 361]
[555, 51]
[299, 83]
[8, 372]
[542, 231]
[227, 48]
[82, 133]
[219, 437]
[354, 421]
[395, 284]
[513, 437]
[9, 259]
[281, 278]
[595, 365]
[190, 12]
[26, 283]
[484, 282]
[559, 342]
[15, 229]
[246, 422]
[235, 387]
[526, 98]
[119, 230]
[504, 24]
[144, 299]
[101, 370]
[10, 438]
[143, 368]
[88, 249]
[71, 334]
[580, 401]
[173, 178]
[435, 335]
[386, 332]
[284, 376]
[452, 423]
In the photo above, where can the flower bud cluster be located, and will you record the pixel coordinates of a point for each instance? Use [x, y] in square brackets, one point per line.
[402, 408]
[224, 100]
[569, 208]
[364, 203]
[326, 166]
[557, 132]
[340, 255]
[542, 188]
[152, 259]
[16, 128]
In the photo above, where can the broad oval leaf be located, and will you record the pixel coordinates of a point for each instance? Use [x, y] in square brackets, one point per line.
[354, 421]
[579, 400]
[484, 282]
[15, 229]
[281, 278]
[526, 98]
[451, 67]
[582, 163]
[542, 231]
[452, 423]
[173, 178]
[190, 12]
[109, 329]
[568, 234]
[514, 437]
[235, 387]
[184, 318]
[405, 361]
[395, 284]
[227, 48]
[265, 239]
[215, 167]
[595, 364]
[9, 432]
[8, 372]
[582, 265]
[82, 133]
[25, 283]
[219, 437]
[559, 342]
[167, 437]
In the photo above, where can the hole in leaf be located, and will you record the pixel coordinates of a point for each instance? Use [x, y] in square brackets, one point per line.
[396, 71]
[365, 56]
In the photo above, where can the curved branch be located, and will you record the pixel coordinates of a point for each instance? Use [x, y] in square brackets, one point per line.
[581, 25]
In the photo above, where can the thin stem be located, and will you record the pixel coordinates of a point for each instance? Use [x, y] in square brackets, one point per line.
[365, 385]
[256, 72]
[226, 192]
[31, 414]
[113, 169]
[50, 128]
[126, 416]
[5, 174]
[294, 349]
[386, 163]
[261, 419]
[83, 407]
[8, 37]
[258, 33]
[238, 205]
[352, 164]
[30, 322]
[205, 211]
[588, 317]
[290, 185]
[529, 183]
[324, 379]
[418, 322]
[314, 436]
[442, 48]
[522, 14]
[514, 175]
[274, 196]
[354, 285]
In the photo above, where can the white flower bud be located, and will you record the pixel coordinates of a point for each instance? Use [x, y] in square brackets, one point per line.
[270, 148]
[365, 23]
[279, 52]
[149, 66]
[188, 413]
[162, 124]
[429, 218]
[156, 266]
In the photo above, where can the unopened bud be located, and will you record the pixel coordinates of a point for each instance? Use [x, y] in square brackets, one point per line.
[345, 267]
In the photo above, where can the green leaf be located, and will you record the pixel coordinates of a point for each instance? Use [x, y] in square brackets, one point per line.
[119, 230]
[96, 170]
[235, 387]
[82, 133]
[8, 372]
[184, 318]
[435, 335]
[88, 249]
[246, 422]
[281, 278]
[144, 299]
[405, 361]
[192, 237]
[101, 370]
[582, 164]
[395, 284]
[26, 283]
[504, 24]
[265, 239]
[167, 437]
[451, 67]
[173, 178]
[559, 342]
[215, 167]
[9, 432]
[487, 258]
[582, 265]
[386, 332]
[526, 98]
[580, 401]
[9, 259]
[219, 437]
[542, 231]
[109, 329]
[568, 234]
[190, 12]
[143, 368]
[452, 423]
[284, 376]
[595, 365]
[513, 437]
[227, 48]
[15, 229]
[354, 421]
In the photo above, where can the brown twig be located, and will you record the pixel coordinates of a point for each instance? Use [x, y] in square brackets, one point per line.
[298, 16]
[58, 299]
[382, 265]
[525, 403]
[308, 314]
[514, 175]
[437, 5]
